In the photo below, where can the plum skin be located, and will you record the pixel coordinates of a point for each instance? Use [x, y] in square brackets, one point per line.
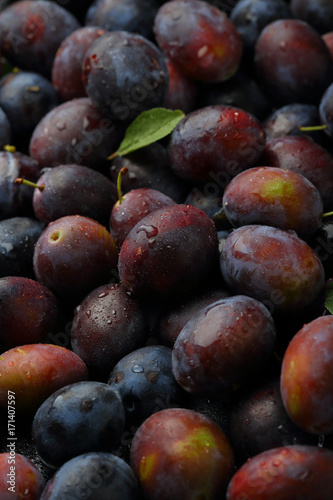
[295, 472]
[156, 258]
[274, 266]
[179, 453]
[306, 376]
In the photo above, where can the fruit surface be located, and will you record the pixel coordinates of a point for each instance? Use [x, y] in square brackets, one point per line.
[124, 74]
[222, 344]
[276, 197]
[199, 39]
[19, 477]
[215, 143]
[306, 374]
[93, 475]
[288, 473]
[272, 265]
[181, 454]
[157, 256]
[78, 418]
[32, 372]
[73, 255]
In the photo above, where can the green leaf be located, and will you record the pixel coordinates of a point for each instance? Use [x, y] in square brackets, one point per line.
[329, 298]
[148, 127]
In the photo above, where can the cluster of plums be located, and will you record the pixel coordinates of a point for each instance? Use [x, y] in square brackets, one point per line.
[165, 323]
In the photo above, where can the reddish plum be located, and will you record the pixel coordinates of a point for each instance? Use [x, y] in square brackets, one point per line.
[156, 258]
[180, 454]
[199, 39]
[73, 255]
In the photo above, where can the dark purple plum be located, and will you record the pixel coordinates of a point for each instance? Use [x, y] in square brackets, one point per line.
[199, 39]
[288, 472]
[156, 259]
[74, 255]
[15, 199]
[5, 129]
[78, 418]
[292, 62]
[251, 16]
[94, 475]
[124, 74]
[108, 324]
[18, 236]
[275, 197]
[258, 421]
[73, 190]
[135, 205]
[26, 97]
[135, 16]
[326, 110]
[209, 199]
[173, 318]
[222, 344]
[215, 143]
[28, 311]
[274, 266]
[241, 91]
[31, 32]
[303, 156]
[67, 64]
[74, 132]
[318, 13]
[287, 120]
[145, 382]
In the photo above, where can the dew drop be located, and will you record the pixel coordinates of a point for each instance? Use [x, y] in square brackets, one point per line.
[150, 231]
[88, 313]
[11, 363]
[137, 369]
[102, 294]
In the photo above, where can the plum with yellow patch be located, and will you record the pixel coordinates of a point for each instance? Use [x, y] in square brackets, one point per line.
[33, 372]
[181, 454]
[276, 197]
[306, 377]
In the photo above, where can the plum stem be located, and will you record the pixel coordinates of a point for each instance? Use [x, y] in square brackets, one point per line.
[122, 171]
[19, 180]
[313, 128]
[327, 214]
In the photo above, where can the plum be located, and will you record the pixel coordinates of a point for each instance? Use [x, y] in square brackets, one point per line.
[19, 477]
[306, 374]
[156, 258]
[73, 255]
[107, 325]
[222, 344]
[180, 454]
[28, 311]
[286, 473]
[34, 371]
[275, 197]
[274, 266]
[93, 475]
[78, 418]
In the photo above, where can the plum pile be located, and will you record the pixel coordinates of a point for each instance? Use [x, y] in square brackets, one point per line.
[166, 250]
